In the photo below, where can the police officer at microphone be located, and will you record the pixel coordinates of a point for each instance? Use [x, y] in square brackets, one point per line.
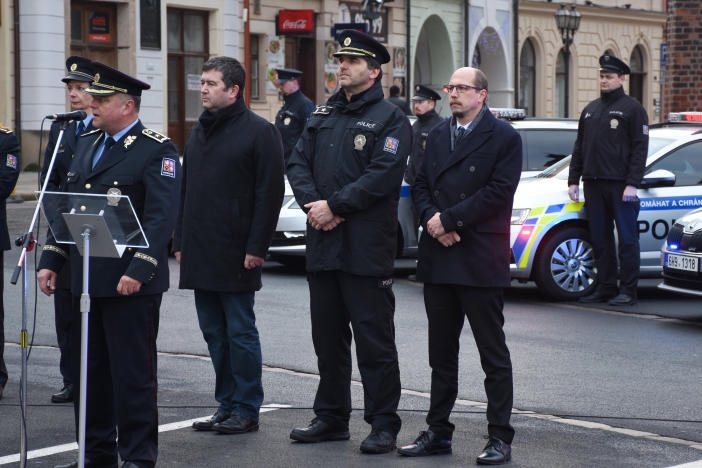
[610, 156]
[292, 117]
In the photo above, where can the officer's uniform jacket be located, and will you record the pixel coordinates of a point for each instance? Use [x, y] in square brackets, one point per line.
[9, 173]
[143, 165]
[420, 130]
[612, 142]
[473, 188]
[353, 155]
[291, 120]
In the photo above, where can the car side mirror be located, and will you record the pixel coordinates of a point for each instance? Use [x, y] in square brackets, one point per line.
[658, 178]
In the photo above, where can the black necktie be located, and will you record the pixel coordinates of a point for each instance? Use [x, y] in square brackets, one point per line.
[109, 143]
[460, 131]
[81, 128]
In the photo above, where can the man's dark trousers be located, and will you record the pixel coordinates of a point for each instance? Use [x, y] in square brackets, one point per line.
[121, 378]
[338, 298]
[63, 306]
[447, 307]
[604, 205]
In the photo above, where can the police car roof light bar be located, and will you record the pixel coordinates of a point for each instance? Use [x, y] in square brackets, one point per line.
[508, 113]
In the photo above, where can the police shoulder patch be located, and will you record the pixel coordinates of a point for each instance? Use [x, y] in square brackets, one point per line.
[12, 161]
[155, 135]
[322, 110]
[91, 132]
[5, 130]
[391, 145]
[168, 167]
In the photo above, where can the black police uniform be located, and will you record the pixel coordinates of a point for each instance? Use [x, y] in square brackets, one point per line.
[352, 154]
[420, 130]
[78, 70]
[609, 154]
[291, 120]
[122, 384]
[9, 172]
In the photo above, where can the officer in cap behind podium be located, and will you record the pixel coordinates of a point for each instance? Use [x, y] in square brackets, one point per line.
[346, 171]
[121, 158]
[424, 104]
[292, 117]
[80, 75]
[610, 155]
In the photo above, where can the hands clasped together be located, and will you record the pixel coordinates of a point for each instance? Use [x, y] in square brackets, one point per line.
[321, 217]
[436, 230]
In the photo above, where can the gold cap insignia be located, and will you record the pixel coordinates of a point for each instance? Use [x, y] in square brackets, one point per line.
[359, 142]
[97, 77]
[347, 41]
[73, 67]
[614, 123]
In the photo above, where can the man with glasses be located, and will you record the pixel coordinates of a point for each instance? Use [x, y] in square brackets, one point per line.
[463, 195]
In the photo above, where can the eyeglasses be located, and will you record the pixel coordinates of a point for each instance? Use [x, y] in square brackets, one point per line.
[460, 89]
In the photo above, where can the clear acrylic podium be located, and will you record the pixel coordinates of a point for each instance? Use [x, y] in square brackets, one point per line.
[99, 226]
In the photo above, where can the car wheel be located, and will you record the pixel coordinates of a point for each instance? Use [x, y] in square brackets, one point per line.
[565, 265]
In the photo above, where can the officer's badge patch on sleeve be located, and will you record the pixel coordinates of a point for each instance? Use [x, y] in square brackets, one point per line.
[12, 161]
[645, 129]
[391, 145]
[168, 167]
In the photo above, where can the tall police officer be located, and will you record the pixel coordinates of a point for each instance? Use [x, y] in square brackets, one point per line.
[610, 156]
[346, 171]
[122, 158]
[292, 117]
[424, 103]
[80, 75]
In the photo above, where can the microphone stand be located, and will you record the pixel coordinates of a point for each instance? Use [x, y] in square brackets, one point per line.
[27, 245]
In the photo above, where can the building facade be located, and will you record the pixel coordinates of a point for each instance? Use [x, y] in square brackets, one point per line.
[683, 71]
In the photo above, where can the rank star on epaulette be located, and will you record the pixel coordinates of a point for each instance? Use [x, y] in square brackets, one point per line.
[155, 135]
[322, 110]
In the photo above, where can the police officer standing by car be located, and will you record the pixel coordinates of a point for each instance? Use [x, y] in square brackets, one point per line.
[610, 156]
[424, 103]
[346, 172]
[292, 117]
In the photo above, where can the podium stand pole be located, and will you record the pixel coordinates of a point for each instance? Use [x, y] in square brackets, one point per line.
[85, 317]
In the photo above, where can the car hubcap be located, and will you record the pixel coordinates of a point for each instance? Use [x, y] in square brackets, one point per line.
[573, 265]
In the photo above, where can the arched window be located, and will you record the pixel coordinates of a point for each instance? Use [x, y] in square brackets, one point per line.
[638, 75]
[560, 86]
[527, 79]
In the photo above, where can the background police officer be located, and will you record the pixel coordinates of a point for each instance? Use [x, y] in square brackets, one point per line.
[346, 172]
[398, 101]
[121, 158]
[80, 75]
[292, 117]
[424, 103]
[610, 156]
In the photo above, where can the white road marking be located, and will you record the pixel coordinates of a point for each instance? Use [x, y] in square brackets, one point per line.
[697, 464]
[45, 452]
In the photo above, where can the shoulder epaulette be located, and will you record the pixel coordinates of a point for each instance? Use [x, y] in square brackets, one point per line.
[5, 130]
[155, 135]
[323, 110]
[91, 132]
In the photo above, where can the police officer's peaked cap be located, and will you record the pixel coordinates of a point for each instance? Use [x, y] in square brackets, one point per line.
[357, 43]
[422, 93]
[286, 74]
[610, 63]
[79, 69]
[109, 81]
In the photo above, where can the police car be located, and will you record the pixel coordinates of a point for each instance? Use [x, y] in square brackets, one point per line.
[549, 235]
[681, 255]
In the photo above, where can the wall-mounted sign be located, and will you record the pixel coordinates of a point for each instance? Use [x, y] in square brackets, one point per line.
[353, 13]
[99, 27]
[295, 22]
[150, 19]
[338, 27]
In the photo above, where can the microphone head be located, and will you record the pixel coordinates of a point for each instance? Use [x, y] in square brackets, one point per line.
[80, 115]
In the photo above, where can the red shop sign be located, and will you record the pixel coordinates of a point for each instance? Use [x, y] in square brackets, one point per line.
[295, 21]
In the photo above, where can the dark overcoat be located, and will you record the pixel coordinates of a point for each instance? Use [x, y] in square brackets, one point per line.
[10, 165]
[473, 189]
[231, 196]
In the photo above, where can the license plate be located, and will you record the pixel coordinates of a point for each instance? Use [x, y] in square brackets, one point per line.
[680, 262]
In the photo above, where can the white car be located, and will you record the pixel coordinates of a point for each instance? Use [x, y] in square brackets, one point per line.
[681, 256]
[550, 237]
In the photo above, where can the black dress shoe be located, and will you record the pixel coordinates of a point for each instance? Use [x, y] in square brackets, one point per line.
[596, 297]
[207, 425]
[236, 424]
[621, 300]
[89, 464]
[64, 396]
[426, 444]
[378, 441]
[318, 431]
[495, 452]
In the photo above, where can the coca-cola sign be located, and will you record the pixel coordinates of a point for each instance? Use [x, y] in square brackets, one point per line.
[295, 21]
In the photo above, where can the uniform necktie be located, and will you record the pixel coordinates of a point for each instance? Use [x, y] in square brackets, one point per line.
[109, 143]
[81, 128]
[460, 131]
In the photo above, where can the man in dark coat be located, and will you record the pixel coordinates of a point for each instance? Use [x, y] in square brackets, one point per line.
[346, 172]
[463, 195]
[80, 75]
[121, 158]
[9, 172]
[610, 155]
[233, 186]
[398, 101]
[292, 117]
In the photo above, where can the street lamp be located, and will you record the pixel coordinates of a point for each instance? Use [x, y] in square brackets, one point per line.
[568, 23]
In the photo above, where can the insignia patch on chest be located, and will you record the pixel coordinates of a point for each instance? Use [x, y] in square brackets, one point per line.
[322, 110]
[168, 167]
[391, 145]
[12, 161]
[645, 129]
[286, 121]
[614, 123]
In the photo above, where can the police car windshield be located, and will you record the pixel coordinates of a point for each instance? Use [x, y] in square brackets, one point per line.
[654, 144]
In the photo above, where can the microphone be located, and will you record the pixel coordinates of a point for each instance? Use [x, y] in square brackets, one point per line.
[75, 115]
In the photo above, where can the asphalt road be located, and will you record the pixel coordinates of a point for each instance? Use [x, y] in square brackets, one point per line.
[596, 379]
